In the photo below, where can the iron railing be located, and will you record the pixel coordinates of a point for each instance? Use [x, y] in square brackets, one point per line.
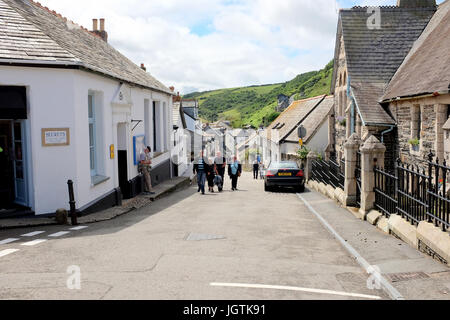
[329, 172]
[358, 178]
[414, 193]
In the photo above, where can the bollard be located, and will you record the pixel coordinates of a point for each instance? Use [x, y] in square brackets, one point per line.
[73, 214]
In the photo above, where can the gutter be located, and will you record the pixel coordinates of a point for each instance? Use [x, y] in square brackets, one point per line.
[418, 96]
[385, 132]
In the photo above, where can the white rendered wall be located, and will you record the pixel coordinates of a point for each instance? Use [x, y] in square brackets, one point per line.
[58, 98]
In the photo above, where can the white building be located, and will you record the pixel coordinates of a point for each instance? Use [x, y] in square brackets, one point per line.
[181, 158]
[313, 115]
[73, 107]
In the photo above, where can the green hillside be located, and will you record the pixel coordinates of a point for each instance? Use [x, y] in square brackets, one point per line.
[255, 105]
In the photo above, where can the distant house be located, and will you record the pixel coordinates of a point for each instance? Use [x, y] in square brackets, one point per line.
[193, 126]
[366, 59]
[73, 108]
[181, 157]
[313, 114]
[418, 96]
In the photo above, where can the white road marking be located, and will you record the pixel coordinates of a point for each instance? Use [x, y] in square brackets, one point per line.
[59, 234]
[32, 234]
[33, 243]
[6, 241]
[7, 251]
[78, 228]
[289, 288]
[362, 262]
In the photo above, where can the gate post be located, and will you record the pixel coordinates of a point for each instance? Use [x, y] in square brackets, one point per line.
[350, 149]
[312, 156]
[372, 153]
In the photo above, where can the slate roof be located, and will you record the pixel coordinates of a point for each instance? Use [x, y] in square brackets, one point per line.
[309, 112]
[177, 113]
[426, 69]
[30, 33]
[374, 55]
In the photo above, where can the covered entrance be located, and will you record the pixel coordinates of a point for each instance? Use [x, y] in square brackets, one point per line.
[13, 173]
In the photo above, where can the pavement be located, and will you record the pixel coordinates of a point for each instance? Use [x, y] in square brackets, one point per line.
[161, 190]
[245, 245]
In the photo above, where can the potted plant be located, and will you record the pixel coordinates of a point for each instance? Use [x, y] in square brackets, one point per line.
[341, 120]
[415, 143]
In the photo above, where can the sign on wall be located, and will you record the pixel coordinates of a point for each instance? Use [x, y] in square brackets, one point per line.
[138, 147]
[55, 137]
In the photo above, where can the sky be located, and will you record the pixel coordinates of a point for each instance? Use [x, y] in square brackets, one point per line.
[198, 45]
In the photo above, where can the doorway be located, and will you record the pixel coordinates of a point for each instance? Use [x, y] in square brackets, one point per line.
[122, 158]
[13, 185]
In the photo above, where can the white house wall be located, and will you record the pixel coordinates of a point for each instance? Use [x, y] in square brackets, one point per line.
[58, 98]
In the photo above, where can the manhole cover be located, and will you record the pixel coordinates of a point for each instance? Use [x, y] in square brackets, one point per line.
[397, 277]
[203, 237]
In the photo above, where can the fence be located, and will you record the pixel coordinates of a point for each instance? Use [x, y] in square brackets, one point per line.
[414, 193]
[329, 172]
[358, 178]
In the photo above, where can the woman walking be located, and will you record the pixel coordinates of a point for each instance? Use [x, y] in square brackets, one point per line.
[211, 174]
[234, 171]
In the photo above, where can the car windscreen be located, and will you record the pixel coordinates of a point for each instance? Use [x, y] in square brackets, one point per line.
[284, 165]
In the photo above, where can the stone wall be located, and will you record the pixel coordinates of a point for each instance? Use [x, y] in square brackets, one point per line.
[431, 135]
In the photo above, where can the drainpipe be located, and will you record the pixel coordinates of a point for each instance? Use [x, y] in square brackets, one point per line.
[385, 132]
[352, 108]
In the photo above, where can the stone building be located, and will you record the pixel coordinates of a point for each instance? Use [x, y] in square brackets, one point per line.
[419, 94]
[371, 44]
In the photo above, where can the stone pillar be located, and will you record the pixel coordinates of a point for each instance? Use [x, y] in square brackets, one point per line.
[372, 153]
[309, 159]
[441, 118]
[350, 149]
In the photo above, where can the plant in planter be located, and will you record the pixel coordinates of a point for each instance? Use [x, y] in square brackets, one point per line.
[303, 153]
[341, 120]
[415, 143]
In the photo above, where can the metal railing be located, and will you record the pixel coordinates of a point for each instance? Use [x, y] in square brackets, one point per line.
[329, 172]
[358, 178]
[414, 193]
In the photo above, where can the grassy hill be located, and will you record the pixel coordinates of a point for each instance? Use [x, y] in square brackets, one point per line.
[255, 105]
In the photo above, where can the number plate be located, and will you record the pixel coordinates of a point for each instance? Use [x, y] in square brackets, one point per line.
[285, 174]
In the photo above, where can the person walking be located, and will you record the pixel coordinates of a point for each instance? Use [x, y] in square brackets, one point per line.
[255, 169]
[262, 169]
[234, 171]
[200, 168]
[211, 174]
[221, 164]
[144, 168]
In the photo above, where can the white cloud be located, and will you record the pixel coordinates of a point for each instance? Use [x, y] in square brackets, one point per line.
[252, 41]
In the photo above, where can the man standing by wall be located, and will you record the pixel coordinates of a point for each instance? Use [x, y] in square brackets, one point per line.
[144, 168]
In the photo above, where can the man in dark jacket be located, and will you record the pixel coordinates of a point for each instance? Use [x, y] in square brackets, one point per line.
[234, 171]
[201, 169]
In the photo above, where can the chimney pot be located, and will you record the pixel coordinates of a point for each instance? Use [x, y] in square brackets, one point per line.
[172, 89]
[94, 25]
[143, 67]
[102, 24]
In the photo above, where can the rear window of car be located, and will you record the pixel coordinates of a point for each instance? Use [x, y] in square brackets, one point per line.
[284, 165]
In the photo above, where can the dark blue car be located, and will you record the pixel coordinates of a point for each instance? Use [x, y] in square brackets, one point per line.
[285, 174]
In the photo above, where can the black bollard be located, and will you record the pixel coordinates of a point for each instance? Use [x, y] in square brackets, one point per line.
[73, 214]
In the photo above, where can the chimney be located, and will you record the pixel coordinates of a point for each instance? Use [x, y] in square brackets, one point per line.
[102, 33]
[416, 3]
[143, 67]
[172, 89]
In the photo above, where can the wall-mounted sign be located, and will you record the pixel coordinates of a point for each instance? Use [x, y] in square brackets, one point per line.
[138, 147]
[55, 137]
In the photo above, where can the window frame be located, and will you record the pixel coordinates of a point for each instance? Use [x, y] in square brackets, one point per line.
[93, 147]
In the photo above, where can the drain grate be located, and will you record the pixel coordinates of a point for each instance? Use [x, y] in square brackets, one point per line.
[203, 237]
[397, 277]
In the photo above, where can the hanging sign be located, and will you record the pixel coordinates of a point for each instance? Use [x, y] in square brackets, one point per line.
[55, 137]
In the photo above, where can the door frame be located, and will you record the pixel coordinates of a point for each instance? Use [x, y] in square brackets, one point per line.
[24, 160]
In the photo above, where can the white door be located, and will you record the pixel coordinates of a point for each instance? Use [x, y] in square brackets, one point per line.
[19, 162]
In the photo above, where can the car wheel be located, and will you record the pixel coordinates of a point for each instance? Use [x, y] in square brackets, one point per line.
[301, 189]
[267, 188]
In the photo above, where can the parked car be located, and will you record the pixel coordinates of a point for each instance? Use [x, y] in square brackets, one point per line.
[286, 174]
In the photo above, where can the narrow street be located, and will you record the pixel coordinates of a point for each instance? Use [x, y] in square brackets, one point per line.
[180, 245]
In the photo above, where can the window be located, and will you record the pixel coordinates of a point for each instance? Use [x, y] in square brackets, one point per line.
[92, 131]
